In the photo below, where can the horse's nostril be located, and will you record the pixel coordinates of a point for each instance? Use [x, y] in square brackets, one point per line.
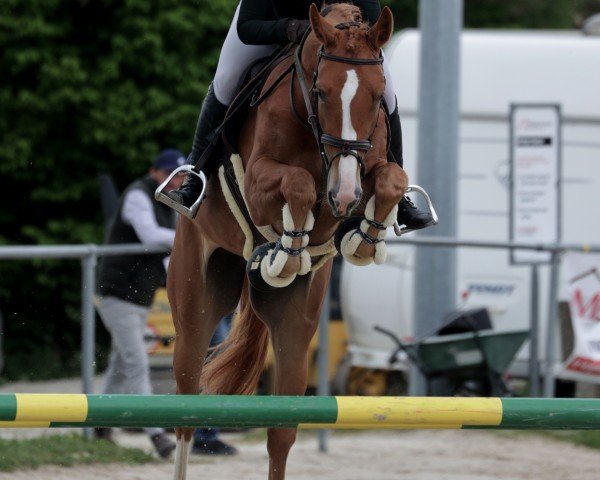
[332, 201]
[351, 206]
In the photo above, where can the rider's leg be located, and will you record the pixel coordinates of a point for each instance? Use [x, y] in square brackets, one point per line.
[235, 59]
[211, 115]
[408, 213]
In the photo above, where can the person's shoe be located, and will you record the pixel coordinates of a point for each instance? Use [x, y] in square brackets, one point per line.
[413, 218]
[133, 430]
[213, 447]
[103, 434]
[189, 192]
[162, 444]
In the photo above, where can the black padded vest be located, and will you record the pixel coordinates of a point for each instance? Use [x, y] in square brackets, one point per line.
[134, 278]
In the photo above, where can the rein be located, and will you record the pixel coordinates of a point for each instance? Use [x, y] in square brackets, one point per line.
[345, 147]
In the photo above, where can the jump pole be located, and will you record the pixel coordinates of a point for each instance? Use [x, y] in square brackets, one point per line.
[80, 410]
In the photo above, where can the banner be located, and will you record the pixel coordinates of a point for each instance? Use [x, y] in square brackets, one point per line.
[582, 273]
[534, 179]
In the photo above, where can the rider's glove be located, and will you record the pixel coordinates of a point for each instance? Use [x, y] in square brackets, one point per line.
[295, 30]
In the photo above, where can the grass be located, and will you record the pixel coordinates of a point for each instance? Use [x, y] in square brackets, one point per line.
[65, 451]
[587, 438]
[70, 450]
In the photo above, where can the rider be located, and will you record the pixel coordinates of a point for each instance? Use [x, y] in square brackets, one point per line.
[258, 27]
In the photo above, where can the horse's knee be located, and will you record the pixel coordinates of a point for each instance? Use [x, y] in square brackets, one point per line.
[298, 187]
[391, 183]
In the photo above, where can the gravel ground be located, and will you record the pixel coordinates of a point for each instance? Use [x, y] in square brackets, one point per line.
[371, 455]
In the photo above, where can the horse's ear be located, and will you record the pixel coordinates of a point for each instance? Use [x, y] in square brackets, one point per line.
[324, 31]
[383, 28]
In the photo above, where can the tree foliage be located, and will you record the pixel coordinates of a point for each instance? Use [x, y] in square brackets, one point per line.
[90, 86]
[87, 86]
[555, 14]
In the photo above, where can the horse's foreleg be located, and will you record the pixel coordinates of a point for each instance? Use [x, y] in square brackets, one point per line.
[363, 243]
[288, 193]
[298, 189]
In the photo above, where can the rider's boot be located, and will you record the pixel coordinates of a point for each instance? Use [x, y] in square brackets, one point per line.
[408, 213]
[210, 118]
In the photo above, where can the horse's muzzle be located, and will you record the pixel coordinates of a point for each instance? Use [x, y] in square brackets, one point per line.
[342, 205]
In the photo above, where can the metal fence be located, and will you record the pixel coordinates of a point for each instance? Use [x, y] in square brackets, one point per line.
[88, 256]
[555, 250]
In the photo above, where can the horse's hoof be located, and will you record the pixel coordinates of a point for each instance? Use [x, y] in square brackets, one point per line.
[348, 239]
[253, 268]
[353, 223]
[256, 268]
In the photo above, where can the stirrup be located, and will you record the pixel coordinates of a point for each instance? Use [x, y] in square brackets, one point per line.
[162, 197]
[399, 231]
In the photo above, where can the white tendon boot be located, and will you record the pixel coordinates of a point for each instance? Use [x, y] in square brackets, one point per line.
[352, 239]
[273, 263]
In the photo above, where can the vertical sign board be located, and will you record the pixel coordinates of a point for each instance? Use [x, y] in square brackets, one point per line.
[535, 155]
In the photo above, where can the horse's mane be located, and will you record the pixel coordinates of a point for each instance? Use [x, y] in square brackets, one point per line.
[341, 12]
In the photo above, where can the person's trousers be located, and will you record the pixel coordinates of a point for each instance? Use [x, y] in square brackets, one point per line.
[128, 367]
[236, 57]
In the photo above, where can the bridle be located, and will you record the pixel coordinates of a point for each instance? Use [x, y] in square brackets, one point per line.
[344, 146]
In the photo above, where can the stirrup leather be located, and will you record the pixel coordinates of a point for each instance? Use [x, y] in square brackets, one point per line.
[162, 197]
[415, 188]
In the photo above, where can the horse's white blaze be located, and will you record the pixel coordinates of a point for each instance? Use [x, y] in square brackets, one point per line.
[348, 165]
[348, 92]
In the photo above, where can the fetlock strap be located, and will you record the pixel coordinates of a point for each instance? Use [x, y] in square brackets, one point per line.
[281, 254]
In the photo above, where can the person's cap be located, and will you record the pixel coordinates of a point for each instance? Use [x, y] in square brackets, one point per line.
[169, 160]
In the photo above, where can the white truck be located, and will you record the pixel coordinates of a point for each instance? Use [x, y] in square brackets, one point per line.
[497, 68]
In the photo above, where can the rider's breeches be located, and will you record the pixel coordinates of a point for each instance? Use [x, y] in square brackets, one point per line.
[236, 57]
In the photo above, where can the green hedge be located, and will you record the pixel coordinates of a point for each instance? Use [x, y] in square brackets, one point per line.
[86, 87]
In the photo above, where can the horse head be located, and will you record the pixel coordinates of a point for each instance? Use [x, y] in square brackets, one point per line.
[348, 89]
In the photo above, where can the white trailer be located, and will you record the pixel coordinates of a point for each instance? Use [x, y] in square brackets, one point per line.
[497, 68]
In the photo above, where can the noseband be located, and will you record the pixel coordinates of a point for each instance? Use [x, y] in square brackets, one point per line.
[345, 147]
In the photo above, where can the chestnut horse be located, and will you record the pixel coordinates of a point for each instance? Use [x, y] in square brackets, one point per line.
[287, 178]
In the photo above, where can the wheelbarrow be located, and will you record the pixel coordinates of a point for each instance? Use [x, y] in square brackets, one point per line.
[470, 363]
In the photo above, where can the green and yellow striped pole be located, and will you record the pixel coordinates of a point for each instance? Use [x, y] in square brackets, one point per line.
[78, 410]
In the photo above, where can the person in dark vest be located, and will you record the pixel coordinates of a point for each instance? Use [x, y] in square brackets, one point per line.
[127, 283]
[257, 29]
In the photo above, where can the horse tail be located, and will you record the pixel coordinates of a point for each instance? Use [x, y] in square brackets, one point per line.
[236, 365]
